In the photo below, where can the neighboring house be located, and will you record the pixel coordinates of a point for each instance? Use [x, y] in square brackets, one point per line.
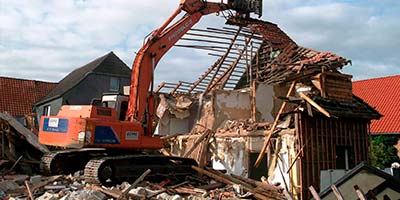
[17, 96]
[107, 74]
[375, 183]
[383, 94]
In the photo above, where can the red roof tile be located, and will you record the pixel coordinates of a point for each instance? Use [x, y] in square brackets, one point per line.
[17, 95]
[383, 94]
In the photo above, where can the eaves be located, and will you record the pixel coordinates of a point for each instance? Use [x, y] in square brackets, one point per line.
[44, 101]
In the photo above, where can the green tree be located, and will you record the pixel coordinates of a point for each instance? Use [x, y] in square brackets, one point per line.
[383, 153]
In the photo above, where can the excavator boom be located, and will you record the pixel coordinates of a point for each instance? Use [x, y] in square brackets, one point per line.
[162, 39]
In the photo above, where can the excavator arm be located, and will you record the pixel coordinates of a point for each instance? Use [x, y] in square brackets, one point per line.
[163, 38]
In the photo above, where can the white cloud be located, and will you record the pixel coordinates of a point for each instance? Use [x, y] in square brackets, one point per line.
[365, 70]
[58, 36]
[364, 31]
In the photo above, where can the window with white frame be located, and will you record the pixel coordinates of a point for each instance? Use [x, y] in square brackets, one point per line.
[46, 110]
[114, 84]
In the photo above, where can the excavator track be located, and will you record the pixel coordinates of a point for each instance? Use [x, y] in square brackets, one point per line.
[111, 170]
[103, 167]
[91, 172]
[45, 164]
[68, 161]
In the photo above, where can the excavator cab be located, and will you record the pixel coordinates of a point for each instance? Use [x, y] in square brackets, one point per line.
[116, 101]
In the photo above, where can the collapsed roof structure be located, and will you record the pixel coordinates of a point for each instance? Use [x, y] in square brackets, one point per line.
[266, 107]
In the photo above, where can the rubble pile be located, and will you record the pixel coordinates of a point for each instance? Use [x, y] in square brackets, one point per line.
[212, 185]
[19, 146]
[243, 124]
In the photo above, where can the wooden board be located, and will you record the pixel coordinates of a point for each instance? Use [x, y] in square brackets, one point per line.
[30, 137]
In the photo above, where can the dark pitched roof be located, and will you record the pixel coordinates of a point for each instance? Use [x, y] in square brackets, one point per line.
[357, 108]
[108, 64]
[391, 181]
[17, 96]
[384, 94]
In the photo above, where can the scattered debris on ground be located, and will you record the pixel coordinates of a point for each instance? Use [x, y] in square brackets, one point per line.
[211, 185]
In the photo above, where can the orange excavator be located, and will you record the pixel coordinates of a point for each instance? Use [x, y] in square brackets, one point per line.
[108, 149]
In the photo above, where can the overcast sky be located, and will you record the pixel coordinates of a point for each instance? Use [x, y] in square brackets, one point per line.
[45, 40]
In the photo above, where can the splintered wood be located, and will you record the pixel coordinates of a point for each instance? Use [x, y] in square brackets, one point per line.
[313, 103]
[19, 146]
[263, 192]
[202, 144]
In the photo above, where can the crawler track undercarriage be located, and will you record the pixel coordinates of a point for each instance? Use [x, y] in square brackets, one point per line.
[102, 166]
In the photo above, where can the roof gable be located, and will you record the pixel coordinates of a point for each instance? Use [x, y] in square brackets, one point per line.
[383, 94]
[17, 96]
[108, 64]
[367, 177]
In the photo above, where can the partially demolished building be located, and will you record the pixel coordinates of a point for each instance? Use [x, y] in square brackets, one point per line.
[266, 108]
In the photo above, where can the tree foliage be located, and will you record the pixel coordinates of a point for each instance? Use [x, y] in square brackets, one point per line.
[383, 153]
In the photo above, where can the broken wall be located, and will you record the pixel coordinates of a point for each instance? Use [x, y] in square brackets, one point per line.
[230, 105]
[206, 112]
[228, 151]
[230, 154]
[176, 115]
[233, 152]
[236, 104]
[213, 110]
[281, 158]
[265, 102]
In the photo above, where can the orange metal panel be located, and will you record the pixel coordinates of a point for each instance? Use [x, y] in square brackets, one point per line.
[88, 112]
[125, 135]
[62, 132]
[95, 127]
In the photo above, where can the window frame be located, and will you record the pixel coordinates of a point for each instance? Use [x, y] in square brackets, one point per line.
[114, 84]
[46, 110]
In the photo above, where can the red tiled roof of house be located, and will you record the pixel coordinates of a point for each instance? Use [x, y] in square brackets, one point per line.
[383, 94]
[18, 95]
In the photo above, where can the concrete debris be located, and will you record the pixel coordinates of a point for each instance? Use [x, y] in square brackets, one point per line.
[54, 187]
[246, 124]
[141, 191]
[8, 185]
[87, 194]
[169, 197]
[176, 106]
[47, 196]
[19, 178]
[35, 179]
